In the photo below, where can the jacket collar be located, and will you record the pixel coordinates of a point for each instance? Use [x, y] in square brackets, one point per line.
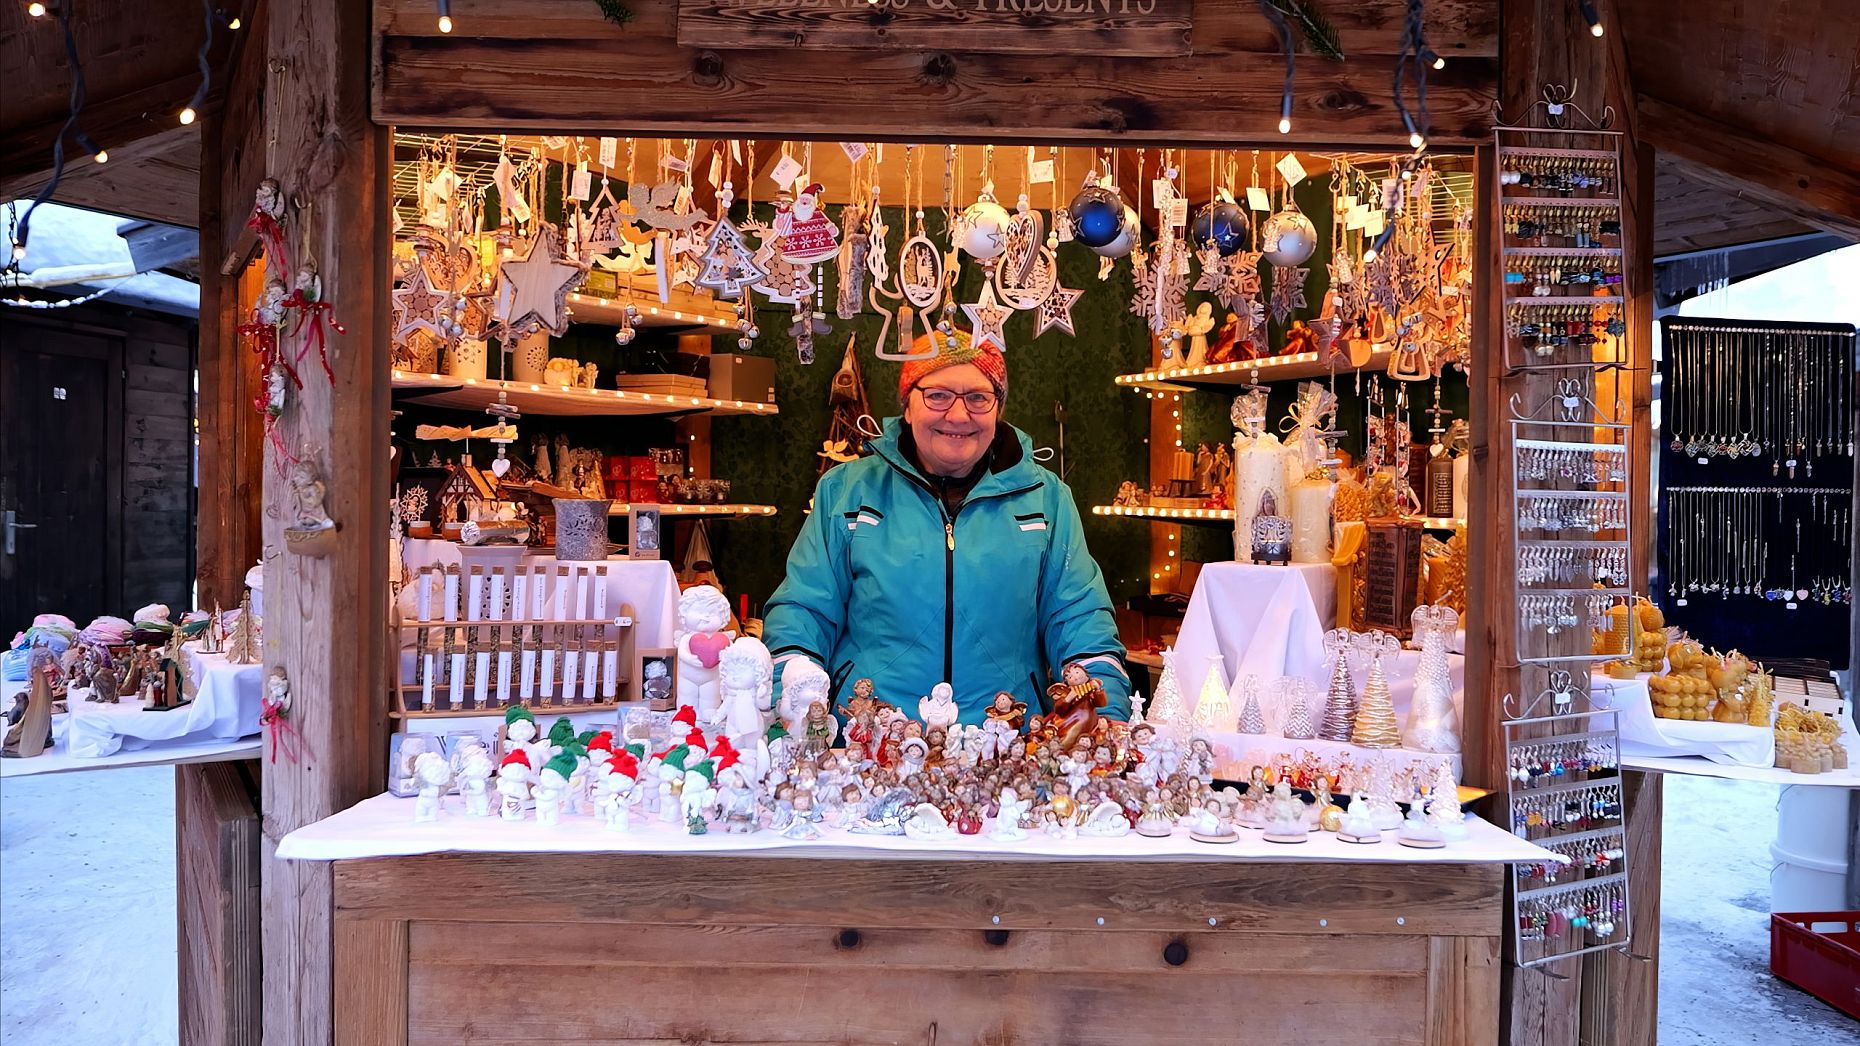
[1009, 461]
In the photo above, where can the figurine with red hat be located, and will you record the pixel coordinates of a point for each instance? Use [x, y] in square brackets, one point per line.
[616, 791]
[513, 785]
[807, 236]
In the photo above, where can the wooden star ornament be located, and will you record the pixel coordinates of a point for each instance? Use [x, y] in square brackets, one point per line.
[1056, 311]
[418, 307]
[533, 291]
[987, 315]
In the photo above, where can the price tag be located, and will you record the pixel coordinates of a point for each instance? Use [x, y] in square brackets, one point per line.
[1257, 200]
[716, 170]
[785, 171]
[555, 141]
[609, 152]
[1704, 461]
[1224, 196]
[579, 186]
[1789, 605]
[1681, 602]
[736, 151]
[855, 151]
[1355, 217]
[1040, 172]
[1162, 190]
[1291, 169]
[674, 163]
[1178, 214]
[519, 207]
[1348, 203]
[1374, 222]
[1790, 462]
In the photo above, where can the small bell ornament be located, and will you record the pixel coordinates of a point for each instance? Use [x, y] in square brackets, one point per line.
[1287, 238]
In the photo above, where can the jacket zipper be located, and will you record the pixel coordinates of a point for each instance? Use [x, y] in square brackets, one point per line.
[949, 561]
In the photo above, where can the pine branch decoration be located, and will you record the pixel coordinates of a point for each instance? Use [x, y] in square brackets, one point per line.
[618, 13]
[1320, 36]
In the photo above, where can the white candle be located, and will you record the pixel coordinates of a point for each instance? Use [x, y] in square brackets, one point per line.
[1258, 468]
[1311, 520]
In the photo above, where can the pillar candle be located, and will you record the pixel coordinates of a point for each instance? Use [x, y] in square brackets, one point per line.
[1310, 514]
[1259, 466]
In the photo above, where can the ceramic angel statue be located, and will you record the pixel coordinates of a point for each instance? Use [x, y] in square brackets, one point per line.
[703, 613]
[1433, 725]
[1210, 826]
[736, 801]
[698, 796]
[745, 689]
[611, 788]
[431, 771]
[928, 823]
[939, 708]
[803, 825]
[803, 684]
[1106, 821]
[1198, 763]
[1007, 823]
[513, 786]
[1358, 825]
[474, 782]
[1285, 816]
[912, 754]
[552, 788]
[307, 493]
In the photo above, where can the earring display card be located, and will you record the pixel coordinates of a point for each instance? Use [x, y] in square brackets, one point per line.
[1565, 795]
[1559, 206]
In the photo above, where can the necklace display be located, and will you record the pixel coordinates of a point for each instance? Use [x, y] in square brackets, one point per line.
[1735, 390]
[1749, 541]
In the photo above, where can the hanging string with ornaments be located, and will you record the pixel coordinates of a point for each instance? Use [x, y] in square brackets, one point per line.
[70, 129]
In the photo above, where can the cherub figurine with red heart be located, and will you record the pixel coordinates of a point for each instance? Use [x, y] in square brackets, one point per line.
[703, 613]
[807, 236]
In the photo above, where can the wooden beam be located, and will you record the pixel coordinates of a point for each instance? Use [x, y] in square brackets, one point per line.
[216, 882]
[471, 79]
[1819, 192]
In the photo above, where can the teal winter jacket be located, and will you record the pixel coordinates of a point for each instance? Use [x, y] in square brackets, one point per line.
[885, 583]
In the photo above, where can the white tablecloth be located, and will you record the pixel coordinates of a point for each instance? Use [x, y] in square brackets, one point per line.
[1263, 620]
[384, 827]
[649, 585]
[226, 706]
[57, 760]
[1644, 734]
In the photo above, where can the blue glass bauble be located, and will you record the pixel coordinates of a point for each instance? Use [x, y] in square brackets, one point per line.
[1097, 216]
[1222, 223]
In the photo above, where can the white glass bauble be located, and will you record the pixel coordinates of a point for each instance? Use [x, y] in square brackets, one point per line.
[981, 232]
[1288, 238]
[1126, 240]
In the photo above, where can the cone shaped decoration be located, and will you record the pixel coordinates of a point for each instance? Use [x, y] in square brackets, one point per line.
[1443, 801]
[1375, 718]
[242, 648]
[1252, 720]
[1298, 725]
[1340, 703]
[1166, 705]
[1213, 710]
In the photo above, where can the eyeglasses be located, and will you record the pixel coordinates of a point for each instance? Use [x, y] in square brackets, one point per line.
[940, 400]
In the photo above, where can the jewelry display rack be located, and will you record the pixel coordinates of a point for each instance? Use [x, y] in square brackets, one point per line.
[1564, 279]
[1565, 796]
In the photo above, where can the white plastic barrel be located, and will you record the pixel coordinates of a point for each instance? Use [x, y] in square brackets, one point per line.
[1811, 850]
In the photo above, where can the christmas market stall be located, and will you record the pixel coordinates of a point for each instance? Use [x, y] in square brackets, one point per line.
[1207, 645]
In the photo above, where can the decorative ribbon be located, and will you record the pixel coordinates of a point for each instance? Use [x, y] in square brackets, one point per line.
[271, 234]
[315, 313]
[275, 718]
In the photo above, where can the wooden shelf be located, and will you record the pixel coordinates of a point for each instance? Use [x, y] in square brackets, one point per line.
[1439, 522]
[1559, 154]
[1199, 517]
[1558, 252]
[1246, 372]
[1560, 201]
[694, 312]
[706, 511]
[531, 398]
[1585, 299]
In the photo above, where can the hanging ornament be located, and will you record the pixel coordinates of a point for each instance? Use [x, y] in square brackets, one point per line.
[1027, 270]
[727, 264]
[1242, 281]
[981, 231]
[1222, 225]
[418, 307]
[807, 236]
[663, 206]
[986, 316]
[852, 266]
[1096, 214]
[1288, 238]
[1340, 703]
[1213, 276]
[1056, 311]
[532, 292]
[920, 272]
[1288, 291]
[267, 221]
[313, 314]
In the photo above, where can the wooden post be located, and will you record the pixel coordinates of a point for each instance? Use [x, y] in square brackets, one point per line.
[297, 111]
[1545, 42]
[217, 879]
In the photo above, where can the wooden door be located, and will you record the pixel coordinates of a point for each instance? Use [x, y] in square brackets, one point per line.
[60, 471]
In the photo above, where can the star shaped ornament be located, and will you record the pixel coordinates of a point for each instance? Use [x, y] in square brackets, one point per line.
[986, 317]
[418, 307]
[533, 291]
[1056, 311]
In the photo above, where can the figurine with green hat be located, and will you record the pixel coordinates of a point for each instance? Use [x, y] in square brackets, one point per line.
[699, 793]
[519, 733]
[552, 788]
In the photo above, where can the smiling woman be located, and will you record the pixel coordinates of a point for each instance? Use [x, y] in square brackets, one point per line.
[1018, 596]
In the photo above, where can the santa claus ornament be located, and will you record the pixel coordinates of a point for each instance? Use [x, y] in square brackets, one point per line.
[807, 237]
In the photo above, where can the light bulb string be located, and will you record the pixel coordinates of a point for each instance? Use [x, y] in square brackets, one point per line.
[1277, 18]
[23, 230]
[206, 66]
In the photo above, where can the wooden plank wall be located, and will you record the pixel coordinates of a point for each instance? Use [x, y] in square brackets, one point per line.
[217, 882]
[795, 950]
[482, 77]
[158, 461]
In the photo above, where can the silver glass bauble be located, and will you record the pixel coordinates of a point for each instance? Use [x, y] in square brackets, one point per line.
[1287, 238]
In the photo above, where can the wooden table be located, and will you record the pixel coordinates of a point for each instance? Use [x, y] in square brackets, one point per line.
[615, 948]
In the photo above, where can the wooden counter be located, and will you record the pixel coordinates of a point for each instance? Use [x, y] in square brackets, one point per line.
[536, 949]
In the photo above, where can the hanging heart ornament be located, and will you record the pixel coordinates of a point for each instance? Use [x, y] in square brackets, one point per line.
[1027, 270]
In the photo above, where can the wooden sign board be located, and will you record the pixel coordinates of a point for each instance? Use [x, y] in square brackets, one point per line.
[1132, 28]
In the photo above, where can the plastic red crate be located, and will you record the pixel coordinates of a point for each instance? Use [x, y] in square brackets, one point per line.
[1824, 963]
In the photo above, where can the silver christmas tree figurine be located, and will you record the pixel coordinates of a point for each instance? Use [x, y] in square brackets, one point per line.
[1340, 703]
[1252, 720]
[1298, 724]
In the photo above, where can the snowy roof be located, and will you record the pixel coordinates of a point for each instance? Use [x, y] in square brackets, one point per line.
[65, 236]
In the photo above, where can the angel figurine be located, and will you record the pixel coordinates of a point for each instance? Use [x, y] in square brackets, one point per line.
[431, 771]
